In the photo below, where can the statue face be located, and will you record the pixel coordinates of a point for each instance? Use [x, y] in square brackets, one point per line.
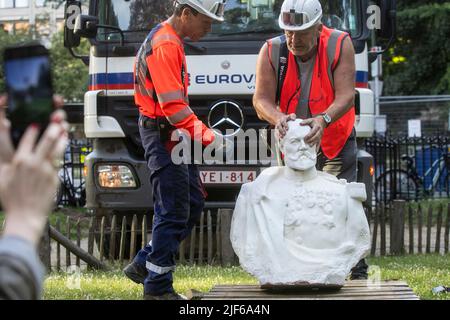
[298, 155]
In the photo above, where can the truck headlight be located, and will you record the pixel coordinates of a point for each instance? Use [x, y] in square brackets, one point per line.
[372, 170]
[115, 176]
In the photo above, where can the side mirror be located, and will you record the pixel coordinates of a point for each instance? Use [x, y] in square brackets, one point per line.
[373, 56]
[72, 10]
[388, 10]
[86, 26]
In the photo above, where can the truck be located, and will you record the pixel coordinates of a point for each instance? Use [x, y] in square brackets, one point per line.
[222, 81]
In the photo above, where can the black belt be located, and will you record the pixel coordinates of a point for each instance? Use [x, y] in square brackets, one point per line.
[160, 124]
[148, 123]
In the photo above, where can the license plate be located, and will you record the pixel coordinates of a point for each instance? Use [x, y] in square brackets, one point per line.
[231, 177]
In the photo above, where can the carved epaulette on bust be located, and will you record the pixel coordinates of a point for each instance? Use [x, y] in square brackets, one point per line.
[357, 191]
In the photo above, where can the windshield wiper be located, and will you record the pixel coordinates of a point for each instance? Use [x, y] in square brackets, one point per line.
[269, 31]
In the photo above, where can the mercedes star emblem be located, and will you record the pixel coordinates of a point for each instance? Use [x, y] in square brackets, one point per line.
[226, 115]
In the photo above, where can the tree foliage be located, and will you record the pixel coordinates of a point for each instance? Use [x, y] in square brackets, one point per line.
[419, 62]
[70, 75]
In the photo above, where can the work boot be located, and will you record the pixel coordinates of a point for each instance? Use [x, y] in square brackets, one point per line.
[165, 296]
[359, 272]
[136, 272]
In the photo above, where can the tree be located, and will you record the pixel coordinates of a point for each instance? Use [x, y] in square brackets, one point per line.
[419, 62]
[70, 75]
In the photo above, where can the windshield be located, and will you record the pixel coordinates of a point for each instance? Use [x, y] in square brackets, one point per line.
[247, 16]
[135, 17]
[242, 17]
[344, 15]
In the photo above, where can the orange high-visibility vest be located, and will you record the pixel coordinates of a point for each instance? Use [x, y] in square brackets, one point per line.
[161, 82]
[322, 92]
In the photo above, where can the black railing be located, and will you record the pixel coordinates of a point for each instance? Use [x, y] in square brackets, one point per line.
[71, 191]
[405, 169]
[410, 168]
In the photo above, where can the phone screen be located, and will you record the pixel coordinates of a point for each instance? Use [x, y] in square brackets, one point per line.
[29, 87]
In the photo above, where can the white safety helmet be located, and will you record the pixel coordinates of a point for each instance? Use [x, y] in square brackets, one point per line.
[211, 8]
[298, 15]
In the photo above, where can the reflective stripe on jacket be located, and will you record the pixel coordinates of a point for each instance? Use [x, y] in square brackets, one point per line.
[161, 82]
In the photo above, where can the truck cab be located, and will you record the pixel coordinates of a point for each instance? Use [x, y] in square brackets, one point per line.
[222, 81]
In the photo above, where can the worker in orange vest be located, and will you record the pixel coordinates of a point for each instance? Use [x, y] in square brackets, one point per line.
[309, 73]
[161, 94]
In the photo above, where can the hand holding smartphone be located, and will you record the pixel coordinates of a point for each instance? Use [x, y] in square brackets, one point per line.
[29, 87]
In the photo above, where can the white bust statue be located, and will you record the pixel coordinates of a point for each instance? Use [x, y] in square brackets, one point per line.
[296, 226]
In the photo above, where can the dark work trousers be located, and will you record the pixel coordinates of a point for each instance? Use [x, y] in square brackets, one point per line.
[179, 198]
[344, 166]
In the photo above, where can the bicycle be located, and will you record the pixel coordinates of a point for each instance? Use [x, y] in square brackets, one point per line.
[71, 190]
[400, 184]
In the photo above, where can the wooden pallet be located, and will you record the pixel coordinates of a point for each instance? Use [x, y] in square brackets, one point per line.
[352, 290]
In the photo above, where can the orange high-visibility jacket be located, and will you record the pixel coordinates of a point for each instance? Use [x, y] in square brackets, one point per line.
[161, 82]
[322, 92]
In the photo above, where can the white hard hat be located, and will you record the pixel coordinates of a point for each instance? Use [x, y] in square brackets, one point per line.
[298, 15]
[211, 8]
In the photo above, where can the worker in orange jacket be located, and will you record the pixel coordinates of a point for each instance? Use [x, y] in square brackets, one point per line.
[309, 73]
[161, 94]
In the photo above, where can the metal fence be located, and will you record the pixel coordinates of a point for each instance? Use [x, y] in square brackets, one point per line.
[405, 169]
[432, 111]
[410, 168]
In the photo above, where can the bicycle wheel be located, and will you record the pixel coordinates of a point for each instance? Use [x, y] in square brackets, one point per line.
[57, 198]
[396, 185]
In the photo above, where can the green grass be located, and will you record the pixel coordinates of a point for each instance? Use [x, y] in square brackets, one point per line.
[75, 214]
[434, 202]
[425, 205]
[422, 273]
[114, 285]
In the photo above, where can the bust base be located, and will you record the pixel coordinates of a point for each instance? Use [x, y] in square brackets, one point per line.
[301, 286]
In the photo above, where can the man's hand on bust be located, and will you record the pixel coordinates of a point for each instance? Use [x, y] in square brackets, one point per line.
[282, 126]
[317, 125]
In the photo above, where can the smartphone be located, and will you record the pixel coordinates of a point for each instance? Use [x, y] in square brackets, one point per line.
[29, 87]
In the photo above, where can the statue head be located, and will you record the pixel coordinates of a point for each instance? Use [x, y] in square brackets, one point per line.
[297, 154]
